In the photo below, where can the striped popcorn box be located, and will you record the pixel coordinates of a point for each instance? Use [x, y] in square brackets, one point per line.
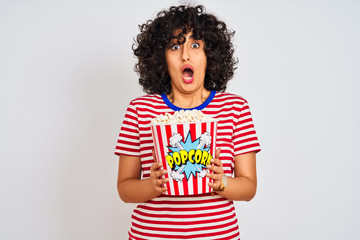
[185, 149]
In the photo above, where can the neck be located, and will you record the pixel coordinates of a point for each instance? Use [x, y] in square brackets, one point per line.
[190, 100]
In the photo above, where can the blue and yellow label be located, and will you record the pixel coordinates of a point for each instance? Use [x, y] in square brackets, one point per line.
[188, 157]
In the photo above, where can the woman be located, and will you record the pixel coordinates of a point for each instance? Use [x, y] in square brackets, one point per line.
[185, 59]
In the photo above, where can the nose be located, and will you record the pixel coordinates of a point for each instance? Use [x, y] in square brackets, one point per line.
[185, 54]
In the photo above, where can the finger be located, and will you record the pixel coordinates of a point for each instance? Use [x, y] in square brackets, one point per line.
[158, 173]
[160, 182]
[217, 153]
[214, 186]
[216, 161]
[215, 169]
[161, 173]
[154, 169]
[160, 189]
[215, 177]
[155, 166]
[154, 155]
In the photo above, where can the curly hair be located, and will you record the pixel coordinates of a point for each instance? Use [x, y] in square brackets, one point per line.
[156, 35]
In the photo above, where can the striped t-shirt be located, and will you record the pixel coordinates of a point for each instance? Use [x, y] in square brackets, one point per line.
[187, 217]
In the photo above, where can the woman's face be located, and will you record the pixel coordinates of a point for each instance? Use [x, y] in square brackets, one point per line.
[186, 64]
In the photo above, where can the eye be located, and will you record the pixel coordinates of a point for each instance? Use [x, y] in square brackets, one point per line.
[195, 45]
[175, 47]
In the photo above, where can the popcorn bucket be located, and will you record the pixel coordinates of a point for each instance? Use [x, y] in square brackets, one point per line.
[185, 149]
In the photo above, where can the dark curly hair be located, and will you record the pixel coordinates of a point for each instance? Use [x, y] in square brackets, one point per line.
[156, 35]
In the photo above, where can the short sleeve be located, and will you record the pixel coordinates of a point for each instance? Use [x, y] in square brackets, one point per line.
[244, 138]
[128, 142]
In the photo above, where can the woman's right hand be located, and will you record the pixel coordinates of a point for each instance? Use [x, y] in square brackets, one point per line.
[156, 176]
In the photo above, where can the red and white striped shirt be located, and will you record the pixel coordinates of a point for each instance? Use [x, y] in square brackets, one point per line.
[196, 216]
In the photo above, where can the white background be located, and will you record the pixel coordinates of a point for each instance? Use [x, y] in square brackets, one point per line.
[66, 71]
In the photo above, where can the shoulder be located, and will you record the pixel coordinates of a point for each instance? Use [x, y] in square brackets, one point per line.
[146, 100]
[230, 99]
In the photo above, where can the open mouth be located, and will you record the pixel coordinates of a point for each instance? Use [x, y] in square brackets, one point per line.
[187, 73]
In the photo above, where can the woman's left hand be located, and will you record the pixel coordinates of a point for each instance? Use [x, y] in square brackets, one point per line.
[216, 167]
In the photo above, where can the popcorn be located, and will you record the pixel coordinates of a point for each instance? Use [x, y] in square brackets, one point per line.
[182, 117]
[185, 142]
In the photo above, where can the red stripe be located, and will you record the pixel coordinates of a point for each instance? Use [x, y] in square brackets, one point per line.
[131, 137]
[243, 121]
[180, 129]
[124, 149]
[161, 145]
[128, 143]
[149, 111]
[228, 108]
[211, 217]
[247, 146]
[237, 135]
[223, 114]
[213, 145]
[184, 230]
[250, 139]
[155, 147]
[186, 237]
[126, 129]
[202, 201]
[183, 209]
[147, 141]
[194, 136]
[132, 237]
[128, 116]
[168, 136]
[237, 234]
[222, 128]
[203, 129]
[193, 130]
[152, 105]
[144, 130]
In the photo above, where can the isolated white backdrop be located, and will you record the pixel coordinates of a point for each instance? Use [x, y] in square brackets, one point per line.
[67, 76]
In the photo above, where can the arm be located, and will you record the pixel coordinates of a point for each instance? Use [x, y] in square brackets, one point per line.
[131, 188]
[242, 187]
